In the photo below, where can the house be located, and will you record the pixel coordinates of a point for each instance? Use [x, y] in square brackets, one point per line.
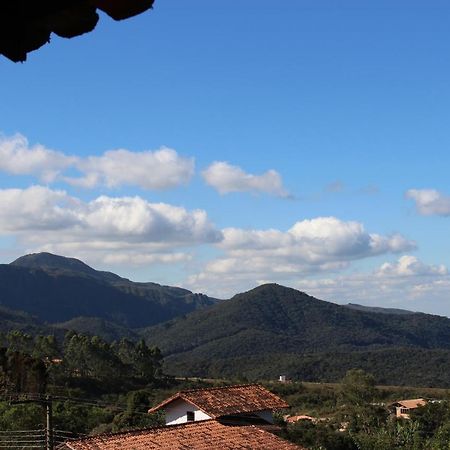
[237, 404]
[204, 435]
[402, 408]
[297, 418]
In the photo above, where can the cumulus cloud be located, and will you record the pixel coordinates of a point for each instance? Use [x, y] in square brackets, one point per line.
[45, 219]
[430, 202]
[159, 169]
[309, 247]
[36, 208]
[410, 266]
[226, 178]
[19, 158]
[406, 283]
[315, 241]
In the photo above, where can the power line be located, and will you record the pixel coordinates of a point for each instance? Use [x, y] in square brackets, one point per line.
[47, 437]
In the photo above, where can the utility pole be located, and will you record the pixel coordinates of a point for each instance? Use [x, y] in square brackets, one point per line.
[46, 402]
[49, 427]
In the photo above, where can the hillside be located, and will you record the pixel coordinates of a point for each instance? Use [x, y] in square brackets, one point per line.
[262, 333]
[272, 328]
[377, 309]
[56, 289]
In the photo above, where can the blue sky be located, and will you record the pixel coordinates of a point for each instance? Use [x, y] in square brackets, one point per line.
[329, 116]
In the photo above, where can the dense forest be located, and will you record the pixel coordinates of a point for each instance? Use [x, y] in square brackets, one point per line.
[273, 330]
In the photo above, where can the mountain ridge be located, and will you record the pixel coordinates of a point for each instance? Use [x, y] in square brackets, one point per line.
[254, 330]
[263, 332]
[57, 289]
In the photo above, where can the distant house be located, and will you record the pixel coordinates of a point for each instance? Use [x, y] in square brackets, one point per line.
[205, 435]
[232, 404]
[403, 408]
[297, 418]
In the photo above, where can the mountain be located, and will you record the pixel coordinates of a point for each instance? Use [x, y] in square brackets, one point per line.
[273, 329]
[61, 265]
[56, 289]
[262, 333]
[377, 309]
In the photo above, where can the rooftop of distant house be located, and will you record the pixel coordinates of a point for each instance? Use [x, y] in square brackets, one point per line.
[228, 400]
[411, 403]
[205, 435]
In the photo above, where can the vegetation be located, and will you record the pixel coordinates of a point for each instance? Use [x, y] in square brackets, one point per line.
[273, 330]
[98, 386]
[260, 334]
[355, 415]
[54, 289]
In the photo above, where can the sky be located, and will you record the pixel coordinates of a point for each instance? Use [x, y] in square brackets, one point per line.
[218, 146]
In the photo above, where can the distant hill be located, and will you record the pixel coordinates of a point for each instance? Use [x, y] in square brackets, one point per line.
[377, 309]
[56, 289]
[273, 329]
[263, 333]
[109, 331]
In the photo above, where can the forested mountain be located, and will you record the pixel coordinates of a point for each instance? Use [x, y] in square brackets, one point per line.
[262, 333]
[377, 309]
[57, 289]
[273, 329]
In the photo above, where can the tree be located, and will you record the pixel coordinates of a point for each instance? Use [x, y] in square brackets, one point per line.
[357, 387]
[17, 341]
[45, 347]
[135, 415]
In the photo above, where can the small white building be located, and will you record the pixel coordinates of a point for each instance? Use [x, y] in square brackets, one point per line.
[232, 404]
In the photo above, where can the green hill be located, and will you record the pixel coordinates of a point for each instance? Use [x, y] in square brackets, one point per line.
[273, 329]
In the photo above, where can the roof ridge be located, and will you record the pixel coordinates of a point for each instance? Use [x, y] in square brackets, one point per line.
[220, 388]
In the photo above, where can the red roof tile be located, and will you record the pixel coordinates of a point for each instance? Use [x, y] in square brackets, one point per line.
[411, 403]
[205, 435]
[228, 400]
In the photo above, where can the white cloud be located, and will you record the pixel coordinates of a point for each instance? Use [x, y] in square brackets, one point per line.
[430, 202]
[320, 245]
[36, 208]
[410, 266]
[18, 158]
[226, 178]
[315, 241]
[407, 283]
[160, 169]
[121, 228]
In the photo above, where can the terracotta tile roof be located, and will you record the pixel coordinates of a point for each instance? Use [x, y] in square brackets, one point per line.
[228, 400]
[412, 403]
[205, 435]
[293, 419]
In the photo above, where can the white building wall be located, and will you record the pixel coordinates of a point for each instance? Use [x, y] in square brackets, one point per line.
[176, 412]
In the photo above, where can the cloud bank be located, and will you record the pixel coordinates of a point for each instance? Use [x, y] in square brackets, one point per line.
[406, 283]
[111, 229]
[309, 247]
